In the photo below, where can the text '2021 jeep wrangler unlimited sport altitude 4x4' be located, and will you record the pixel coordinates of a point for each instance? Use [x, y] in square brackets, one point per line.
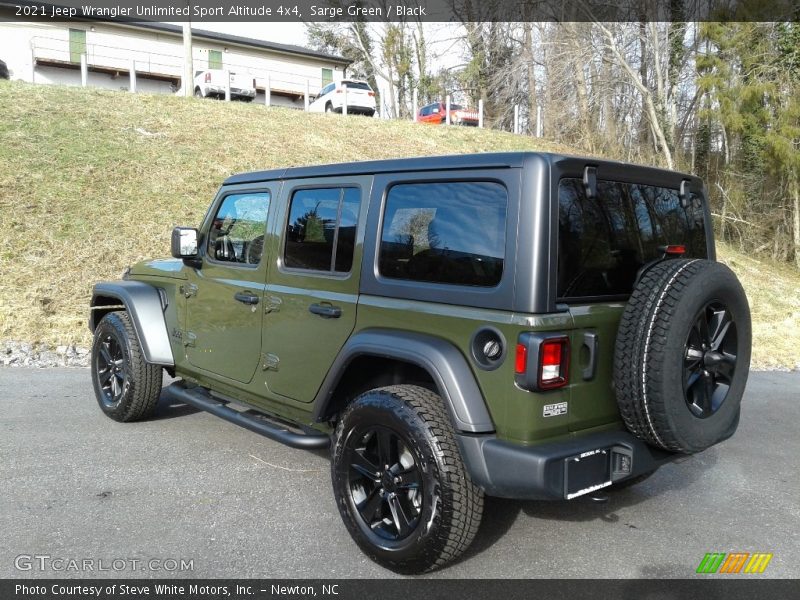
[519, 325]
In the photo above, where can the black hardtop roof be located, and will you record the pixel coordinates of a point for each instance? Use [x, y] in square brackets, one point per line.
[484, 160]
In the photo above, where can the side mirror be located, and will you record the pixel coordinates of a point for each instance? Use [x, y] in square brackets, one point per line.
[184, 242]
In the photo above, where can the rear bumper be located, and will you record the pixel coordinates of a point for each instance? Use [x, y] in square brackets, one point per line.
[355, 109]
[553, 471]
[235, 92]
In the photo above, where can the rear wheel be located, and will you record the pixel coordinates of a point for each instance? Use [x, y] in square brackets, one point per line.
[198, 93]
[328, 108]
[127, 388]
[399, 480]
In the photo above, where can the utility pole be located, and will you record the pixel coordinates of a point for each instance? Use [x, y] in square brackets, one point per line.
[188, 68]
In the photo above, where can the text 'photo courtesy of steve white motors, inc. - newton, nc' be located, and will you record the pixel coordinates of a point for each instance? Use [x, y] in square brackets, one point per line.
[319, 12]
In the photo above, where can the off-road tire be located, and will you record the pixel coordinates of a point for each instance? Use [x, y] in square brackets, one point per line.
[141, 383]
[451, 505]
[656, 364]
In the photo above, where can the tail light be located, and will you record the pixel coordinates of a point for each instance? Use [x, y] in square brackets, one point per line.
[674, 249]
[207, 78]
[339, 91]
[371, 94]
[542, 361]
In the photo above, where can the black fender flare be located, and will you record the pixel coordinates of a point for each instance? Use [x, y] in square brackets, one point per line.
[146, 309]
[442, 360]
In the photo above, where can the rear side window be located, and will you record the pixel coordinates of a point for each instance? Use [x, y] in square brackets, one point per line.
[446, 232]
[321, 231]
[604, 241]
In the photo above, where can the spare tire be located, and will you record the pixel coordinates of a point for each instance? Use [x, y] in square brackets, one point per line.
[682, 355]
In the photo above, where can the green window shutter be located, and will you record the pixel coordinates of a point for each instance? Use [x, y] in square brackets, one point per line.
[77, 45]
[214, 59]
[327, 76]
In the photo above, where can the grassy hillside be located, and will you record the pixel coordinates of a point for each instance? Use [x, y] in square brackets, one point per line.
[91, 181]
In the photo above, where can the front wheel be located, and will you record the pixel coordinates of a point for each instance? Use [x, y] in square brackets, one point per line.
[127, 388]
[399, 480]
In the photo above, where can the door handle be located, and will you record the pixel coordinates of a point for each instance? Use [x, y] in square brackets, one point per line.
[246, 297]
[326, 311]
[590, 342]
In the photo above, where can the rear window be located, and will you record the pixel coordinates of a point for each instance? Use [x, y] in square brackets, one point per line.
[445, 232]
[357, 85]
[604, 241]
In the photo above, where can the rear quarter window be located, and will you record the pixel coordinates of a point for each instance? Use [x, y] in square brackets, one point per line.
[604, 241]
[445, 232]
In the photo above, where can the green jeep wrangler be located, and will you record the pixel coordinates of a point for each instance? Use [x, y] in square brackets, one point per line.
[521, 325]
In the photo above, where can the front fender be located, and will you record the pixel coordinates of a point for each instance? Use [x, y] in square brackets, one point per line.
[143, 303]
[443, 361]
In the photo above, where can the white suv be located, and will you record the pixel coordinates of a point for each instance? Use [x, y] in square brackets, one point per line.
[211, 82]
[360, 98]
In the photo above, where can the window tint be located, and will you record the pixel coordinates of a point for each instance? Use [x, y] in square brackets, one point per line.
[237, 231]
[321, 231]
[451, 232]
[357, 85]
[604, 241]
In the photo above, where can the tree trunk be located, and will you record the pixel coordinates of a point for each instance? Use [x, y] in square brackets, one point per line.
[532, 99]
[796, 195]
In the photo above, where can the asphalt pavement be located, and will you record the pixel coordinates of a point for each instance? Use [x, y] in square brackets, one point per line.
[187, 486]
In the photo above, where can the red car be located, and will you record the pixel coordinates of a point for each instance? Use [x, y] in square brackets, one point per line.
[436, 114]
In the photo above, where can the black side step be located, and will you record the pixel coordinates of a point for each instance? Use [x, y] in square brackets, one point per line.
[200, 398]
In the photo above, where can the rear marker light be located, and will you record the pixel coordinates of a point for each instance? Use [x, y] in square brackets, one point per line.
[521, 361]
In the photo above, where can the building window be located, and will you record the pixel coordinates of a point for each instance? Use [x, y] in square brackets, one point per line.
[77, 45]
[327, 77]
[214, 59]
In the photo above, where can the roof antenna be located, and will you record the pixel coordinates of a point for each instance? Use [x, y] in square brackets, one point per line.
[590, 181]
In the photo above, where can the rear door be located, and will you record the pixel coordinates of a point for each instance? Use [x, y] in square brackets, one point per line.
[359, 94]
[312, 290]
[602, 243]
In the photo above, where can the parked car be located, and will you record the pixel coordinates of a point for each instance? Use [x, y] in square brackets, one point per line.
[360, 98]
[436, 114]
[211, 83]
[521, 325]
[3, 70]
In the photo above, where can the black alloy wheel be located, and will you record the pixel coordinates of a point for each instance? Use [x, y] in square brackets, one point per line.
[709, 359]
[385, 482]
[111, 370]
[126, 386]
[400, 483]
